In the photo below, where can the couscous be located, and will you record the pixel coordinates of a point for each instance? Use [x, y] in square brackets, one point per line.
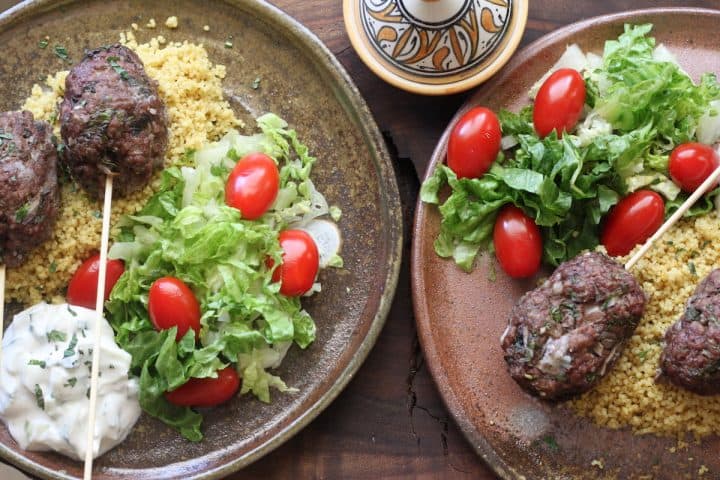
[629, 396]
[191, 88]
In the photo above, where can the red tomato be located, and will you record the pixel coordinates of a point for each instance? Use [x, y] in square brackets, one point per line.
[253, 185]
[518, 243]
[559, 102]
[690, 164]
[206, 392]
[82, 290]
[300, 263]
[632, 221]
[171, 303]
[474, 143]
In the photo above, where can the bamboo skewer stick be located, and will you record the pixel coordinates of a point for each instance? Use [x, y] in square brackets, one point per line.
[99, 303]
[711, 181]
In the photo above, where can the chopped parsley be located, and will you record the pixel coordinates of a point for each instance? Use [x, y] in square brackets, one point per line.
[39, 398]
[61, 52]
[113, 61]
[56, 336]
[233, 155]
[97, 214]
[70, 351]
[72, 312]
[39, 363]
[22, 212]
[691, 267]
[53, 267]
[256, 83]
[43, 43]
[642, 355]
[218, 170]
[72, 381]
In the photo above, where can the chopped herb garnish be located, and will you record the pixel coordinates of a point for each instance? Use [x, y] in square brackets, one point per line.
[642, 355]
[22, 212]
[43, 44]
[71, 382]
[87, 392]
[5, 136]
[72, 312]
[691, 267]
[61, 52]
[551, 443]
[70, 351]
[56, 336]
[39, 399]
[97, 214]
[39, 363]
[704, 244]
[53, 267]
[113, 61]
[256, 83]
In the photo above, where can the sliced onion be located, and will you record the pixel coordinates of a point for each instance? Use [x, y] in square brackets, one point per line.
[327, 238]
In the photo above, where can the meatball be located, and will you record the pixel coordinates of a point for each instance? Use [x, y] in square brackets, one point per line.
[691, 357]
[566, 334]
[113, 121]
[29, 194]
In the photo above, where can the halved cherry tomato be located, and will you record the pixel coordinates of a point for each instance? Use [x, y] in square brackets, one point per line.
[474, 143]
[518, 243]
[171, 303]
[206, 392]
[82, 290]
[691, 163]
[253, 185]
[559, 102]
[632, 221]
[300, 263]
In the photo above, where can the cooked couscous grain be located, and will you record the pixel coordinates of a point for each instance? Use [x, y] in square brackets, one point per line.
[191, 87]
[629, 396]
[171, 22]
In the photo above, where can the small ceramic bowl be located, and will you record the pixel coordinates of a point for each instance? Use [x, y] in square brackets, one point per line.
[435, 47]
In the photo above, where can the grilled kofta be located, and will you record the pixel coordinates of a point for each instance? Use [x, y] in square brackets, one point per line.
[29, 194]
[566, 334]
[691, 357]
[113, 122]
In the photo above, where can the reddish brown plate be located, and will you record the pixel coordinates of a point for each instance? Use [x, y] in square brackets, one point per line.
[305, 84]
[460, 316]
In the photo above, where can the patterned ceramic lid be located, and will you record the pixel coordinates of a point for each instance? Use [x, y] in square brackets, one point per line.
[435, 47]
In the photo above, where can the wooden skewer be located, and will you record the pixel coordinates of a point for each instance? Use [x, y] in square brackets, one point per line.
[99, 303]
[711, 181]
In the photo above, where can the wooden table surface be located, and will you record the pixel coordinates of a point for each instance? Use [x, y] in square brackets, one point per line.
[390, 422]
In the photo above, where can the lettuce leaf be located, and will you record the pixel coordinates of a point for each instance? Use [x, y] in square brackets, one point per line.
[187, 231]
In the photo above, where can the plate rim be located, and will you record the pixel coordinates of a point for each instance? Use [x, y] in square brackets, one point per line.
[353, 104]
[422, 319]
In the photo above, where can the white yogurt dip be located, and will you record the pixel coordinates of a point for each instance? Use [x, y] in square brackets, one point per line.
[45, 382]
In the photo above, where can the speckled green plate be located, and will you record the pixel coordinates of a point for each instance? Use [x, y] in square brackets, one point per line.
[302, 82]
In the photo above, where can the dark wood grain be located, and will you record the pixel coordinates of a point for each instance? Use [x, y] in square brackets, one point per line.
[390, 422]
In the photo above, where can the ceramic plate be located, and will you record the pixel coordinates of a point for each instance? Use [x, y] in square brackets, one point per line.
[461, 316]
[302, 82]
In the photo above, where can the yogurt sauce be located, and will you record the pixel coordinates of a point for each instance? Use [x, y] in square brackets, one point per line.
[45, 382]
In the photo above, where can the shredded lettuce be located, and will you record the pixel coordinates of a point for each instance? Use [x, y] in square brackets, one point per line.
[188, 232]
[640, 105]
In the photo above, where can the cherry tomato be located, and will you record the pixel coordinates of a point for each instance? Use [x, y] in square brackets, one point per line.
[690, 164]
[559, 102]
[632, 221]
[171, 303]
[300, 263]
[518, 243]
[253, 185]
[474, 143]
[82, 290]
[206, 392]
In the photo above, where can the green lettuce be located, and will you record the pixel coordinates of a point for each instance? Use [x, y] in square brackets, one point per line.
[187, 231]
[640, 106]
